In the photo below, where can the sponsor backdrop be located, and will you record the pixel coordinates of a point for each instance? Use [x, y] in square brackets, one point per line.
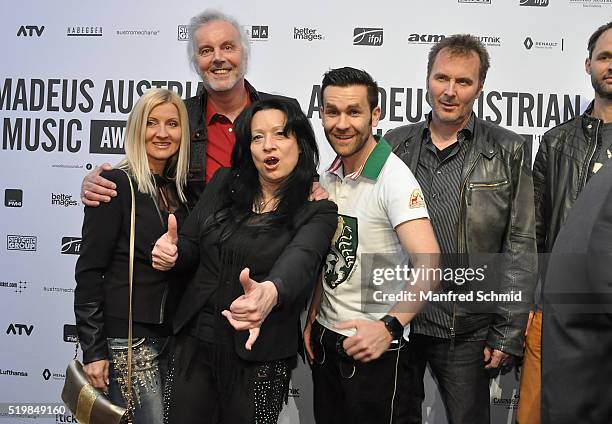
[73, 70]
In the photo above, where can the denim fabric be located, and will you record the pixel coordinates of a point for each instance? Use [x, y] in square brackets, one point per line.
[460, 375]
[149, 369]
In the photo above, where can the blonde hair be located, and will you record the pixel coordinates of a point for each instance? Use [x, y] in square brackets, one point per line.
[136, 161]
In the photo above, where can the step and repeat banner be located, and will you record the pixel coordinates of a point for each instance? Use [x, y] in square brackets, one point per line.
[72, 70]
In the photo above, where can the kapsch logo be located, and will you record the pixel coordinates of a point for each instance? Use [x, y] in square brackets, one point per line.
[309, 34]
[13, 198]
[20, 329]
[84, 31]
[62, 199]
[540, 3]
[70, 333]
[24, 243]
[367, 36]
[183, 33]
[106, 137]
[257, 32]
[30, 31]
[71, 245]
[16, 286]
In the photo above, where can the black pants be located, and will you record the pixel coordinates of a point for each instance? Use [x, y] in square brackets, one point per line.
[207, 385]
[348, 391]
[459, 372]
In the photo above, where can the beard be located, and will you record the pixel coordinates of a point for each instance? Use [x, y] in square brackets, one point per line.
[602, 89]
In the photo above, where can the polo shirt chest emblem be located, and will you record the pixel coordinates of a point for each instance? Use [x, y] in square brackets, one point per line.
[342, 255]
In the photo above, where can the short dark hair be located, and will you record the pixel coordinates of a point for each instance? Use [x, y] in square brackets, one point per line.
[461, 44]
[347, 76]
[595, 36]
[244, 186]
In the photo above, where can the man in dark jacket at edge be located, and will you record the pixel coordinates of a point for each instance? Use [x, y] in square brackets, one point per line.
[477, 184]
[219, 52]
[568, 156]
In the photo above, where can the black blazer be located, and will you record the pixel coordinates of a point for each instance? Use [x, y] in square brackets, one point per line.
[577, 311]
[102, 268]
[290, 258]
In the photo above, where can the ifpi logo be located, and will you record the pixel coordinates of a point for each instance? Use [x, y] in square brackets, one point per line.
[368, 36]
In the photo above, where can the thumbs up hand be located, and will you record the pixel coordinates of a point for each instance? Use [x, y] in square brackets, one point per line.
[250, 310]
[165, 252]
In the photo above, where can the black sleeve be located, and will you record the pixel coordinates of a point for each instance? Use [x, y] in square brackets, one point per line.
[295, 271]
[101, 232]
[189, 235]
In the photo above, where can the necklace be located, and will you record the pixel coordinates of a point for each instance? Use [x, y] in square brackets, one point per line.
[260, 207]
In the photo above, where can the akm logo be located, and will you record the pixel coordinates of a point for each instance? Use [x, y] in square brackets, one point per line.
[71, 245]
[367, 36]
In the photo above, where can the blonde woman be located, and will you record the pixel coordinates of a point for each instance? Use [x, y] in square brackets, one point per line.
[156, 160]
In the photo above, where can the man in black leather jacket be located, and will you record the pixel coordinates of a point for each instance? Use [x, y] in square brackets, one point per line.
[568, 156]
[478, 188]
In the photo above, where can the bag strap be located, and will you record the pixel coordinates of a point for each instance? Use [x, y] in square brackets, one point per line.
[131, 281]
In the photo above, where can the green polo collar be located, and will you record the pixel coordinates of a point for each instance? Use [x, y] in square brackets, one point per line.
[377, 159]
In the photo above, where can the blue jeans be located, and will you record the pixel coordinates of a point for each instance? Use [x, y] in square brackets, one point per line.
[149, 369]
[459, 372]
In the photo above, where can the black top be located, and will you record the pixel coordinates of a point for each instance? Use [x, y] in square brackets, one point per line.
[603, 151]
[289, 256]
[102, 268]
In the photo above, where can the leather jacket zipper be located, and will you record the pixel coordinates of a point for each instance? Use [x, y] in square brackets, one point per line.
[460, 246]
[587, 164]
[476, 186]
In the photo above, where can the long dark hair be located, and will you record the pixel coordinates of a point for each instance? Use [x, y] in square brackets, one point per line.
[244, 186]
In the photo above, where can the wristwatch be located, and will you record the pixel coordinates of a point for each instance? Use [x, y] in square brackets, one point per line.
[393, 326]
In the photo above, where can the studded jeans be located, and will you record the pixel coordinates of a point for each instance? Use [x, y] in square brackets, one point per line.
[149, 368]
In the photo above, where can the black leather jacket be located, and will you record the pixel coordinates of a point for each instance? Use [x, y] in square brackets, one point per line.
[496, 216]
[560, 172]
[196, 109]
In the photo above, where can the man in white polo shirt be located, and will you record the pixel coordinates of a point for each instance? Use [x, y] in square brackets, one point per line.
[354, 337]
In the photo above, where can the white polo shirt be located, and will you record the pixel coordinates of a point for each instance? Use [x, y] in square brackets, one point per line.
[371, 201]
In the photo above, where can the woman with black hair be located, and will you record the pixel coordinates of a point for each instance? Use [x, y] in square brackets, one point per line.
[258, 244]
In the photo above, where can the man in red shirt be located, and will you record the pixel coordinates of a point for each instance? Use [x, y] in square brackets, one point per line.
[219, 51]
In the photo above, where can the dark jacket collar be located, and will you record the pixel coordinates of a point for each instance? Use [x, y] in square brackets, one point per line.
[590, 123]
